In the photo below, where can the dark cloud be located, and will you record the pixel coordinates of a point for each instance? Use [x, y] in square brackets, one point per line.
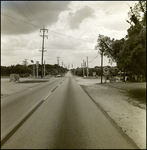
[38, 13]
[75, 19]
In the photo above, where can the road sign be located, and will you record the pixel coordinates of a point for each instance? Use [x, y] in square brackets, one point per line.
[105, 71]
[94, 73]
[37, 64]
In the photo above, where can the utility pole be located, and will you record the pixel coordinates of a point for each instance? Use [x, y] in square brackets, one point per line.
[83, 68]
[44, 68]
[43, 47]
[87, 67]
[101, 67]
[58, 60]
[37, 65]
[58, 63]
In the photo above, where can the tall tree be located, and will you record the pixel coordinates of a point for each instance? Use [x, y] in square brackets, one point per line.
[130, 52]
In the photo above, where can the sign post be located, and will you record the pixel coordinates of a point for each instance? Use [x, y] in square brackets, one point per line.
[37, 64]
[106, 72]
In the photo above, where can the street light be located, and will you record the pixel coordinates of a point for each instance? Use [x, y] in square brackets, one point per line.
[33, 68]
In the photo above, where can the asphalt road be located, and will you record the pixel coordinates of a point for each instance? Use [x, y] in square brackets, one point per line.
[13, 107]
[66, 119]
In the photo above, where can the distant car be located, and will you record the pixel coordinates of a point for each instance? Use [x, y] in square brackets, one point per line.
[58, 75]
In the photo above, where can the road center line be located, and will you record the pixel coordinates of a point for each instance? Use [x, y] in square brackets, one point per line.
[47, 96]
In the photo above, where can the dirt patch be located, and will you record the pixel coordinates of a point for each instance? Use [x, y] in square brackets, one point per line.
[136, 92]
[129, 113]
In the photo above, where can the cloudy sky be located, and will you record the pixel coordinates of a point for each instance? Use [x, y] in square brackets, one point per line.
[73, 29]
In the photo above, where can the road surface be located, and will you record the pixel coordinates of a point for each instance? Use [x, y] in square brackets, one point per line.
[66, 118]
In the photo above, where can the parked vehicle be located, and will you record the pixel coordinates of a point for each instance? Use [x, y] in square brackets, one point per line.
[58, 75]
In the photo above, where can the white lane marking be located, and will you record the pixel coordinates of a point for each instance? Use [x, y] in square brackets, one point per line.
[47, 96]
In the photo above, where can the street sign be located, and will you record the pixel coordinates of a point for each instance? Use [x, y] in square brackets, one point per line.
[94, 73]
[37, 64]
[105, 71]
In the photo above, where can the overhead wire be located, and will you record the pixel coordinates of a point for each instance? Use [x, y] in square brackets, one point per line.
[71, 36]
[21, 11]
[71, 49]
[18, 28]
[93, 59]
[20, 20]
[63, 48]
[5, 26]
[49, 30]
[50, 42]
[33, 12]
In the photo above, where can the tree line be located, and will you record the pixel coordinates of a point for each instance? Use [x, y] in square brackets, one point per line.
[27, 70]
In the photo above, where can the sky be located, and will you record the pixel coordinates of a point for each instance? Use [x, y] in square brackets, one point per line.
[72, 29]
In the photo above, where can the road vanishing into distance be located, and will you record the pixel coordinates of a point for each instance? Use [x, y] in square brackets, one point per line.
[57, 115]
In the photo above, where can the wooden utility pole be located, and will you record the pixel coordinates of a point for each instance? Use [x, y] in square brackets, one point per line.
[58, 63]
[83, 68]
[43, 48]
[87, 67]
[44, 68]
[101, 67]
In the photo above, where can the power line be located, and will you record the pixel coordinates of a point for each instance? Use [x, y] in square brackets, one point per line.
[32, 13]
[20, 20]
[50, 42]
[21, 11]
[5, 26]
[15, 25]
[127, 4]
[69, 49]
[71, 37]
[93, 59]
[49, 30]
[18, 27]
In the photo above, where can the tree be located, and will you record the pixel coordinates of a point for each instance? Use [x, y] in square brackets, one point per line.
[25, 63]
[137, 38]
[130, 52]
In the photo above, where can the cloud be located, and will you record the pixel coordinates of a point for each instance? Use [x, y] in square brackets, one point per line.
[75, 19]
[83, 20]
[30, 13]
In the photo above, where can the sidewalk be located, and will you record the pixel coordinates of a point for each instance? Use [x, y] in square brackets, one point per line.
[128, 113]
